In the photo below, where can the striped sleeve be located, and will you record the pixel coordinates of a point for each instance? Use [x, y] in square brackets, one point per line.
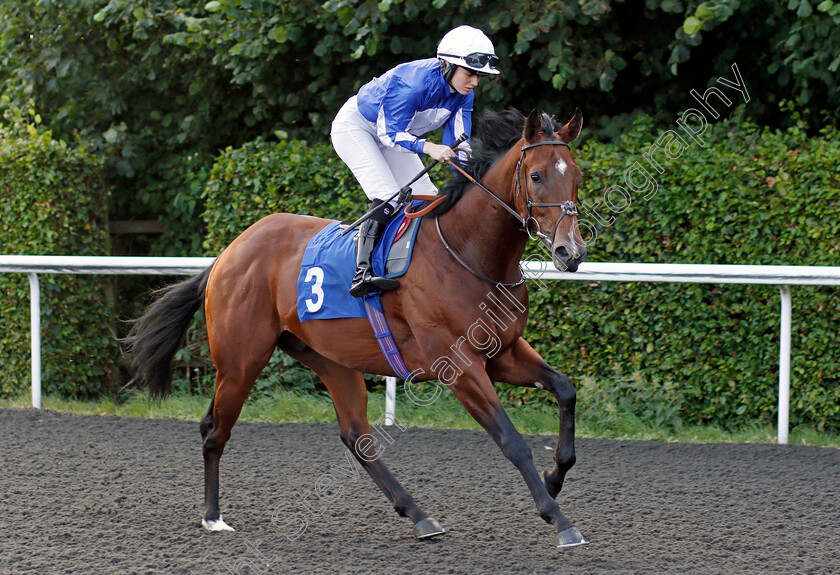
[399, 104]
[460, 123]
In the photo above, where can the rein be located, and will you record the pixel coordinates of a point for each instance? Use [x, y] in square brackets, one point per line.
[472, 271]
[568, 208]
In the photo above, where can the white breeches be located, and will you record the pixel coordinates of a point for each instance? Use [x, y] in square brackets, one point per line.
[380, 170]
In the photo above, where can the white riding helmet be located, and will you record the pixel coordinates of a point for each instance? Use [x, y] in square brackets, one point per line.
[468, 47]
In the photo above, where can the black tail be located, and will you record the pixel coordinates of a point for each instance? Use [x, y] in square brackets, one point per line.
[157, 334]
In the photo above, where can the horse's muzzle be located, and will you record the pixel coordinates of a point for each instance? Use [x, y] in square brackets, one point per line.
[567, 259]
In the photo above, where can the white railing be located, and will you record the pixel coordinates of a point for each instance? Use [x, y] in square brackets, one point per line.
[33, 265]
[783, 276]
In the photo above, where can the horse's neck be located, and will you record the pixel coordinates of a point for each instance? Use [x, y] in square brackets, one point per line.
[482, 232]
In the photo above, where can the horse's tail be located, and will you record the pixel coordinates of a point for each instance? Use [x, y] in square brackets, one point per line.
[157, 334]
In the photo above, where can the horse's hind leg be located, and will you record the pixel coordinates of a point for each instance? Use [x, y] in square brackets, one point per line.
[349, 395]
[239, 355]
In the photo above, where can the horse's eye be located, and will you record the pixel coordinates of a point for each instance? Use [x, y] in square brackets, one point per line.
[535, 177]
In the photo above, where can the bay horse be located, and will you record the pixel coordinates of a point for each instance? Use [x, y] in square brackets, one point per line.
[474, 245]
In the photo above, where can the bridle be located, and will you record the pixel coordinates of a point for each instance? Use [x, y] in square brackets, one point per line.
[521, 193]
[569, 208]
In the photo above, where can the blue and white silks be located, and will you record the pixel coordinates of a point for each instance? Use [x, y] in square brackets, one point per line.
[413, 99]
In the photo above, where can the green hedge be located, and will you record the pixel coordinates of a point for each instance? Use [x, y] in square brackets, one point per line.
[671, 353]
[53, 202]
[260, 178]
[750, 196]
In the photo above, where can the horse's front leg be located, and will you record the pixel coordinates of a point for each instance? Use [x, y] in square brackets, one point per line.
[476, 393]
[521, 365]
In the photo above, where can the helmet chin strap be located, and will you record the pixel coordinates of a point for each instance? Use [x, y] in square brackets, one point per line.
[448, 70]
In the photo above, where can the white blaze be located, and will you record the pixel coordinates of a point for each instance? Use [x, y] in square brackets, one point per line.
[561, 166]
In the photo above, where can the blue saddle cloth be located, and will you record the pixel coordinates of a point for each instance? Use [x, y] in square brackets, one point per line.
[329, 263]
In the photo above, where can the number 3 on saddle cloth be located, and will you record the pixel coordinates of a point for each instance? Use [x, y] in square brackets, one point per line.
[326, 273]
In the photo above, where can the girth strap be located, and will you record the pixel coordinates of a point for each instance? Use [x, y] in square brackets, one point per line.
[376, 317]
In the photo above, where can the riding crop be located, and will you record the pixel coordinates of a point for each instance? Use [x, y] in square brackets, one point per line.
[403, 193]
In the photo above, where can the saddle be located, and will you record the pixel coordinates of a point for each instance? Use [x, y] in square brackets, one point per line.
[329, 263]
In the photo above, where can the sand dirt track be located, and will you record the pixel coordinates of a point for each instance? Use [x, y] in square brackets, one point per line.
[87, 494]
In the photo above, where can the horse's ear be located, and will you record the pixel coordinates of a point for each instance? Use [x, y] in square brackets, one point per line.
[571, 131]
[533, 127]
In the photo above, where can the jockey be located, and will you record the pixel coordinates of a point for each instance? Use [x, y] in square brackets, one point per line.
[377, 132]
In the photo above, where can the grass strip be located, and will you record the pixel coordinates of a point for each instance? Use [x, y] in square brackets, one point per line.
[289, 406]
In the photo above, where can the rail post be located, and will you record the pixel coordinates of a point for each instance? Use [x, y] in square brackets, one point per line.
[784, 365]
[390, 399]
[35, 321]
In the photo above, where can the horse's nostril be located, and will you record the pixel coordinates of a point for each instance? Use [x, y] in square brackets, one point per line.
[566, 262]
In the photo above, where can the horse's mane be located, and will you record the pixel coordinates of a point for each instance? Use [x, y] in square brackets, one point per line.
[494, 134]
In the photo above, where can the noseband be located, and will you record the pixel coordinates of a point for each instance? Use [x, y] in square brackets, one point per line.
[569, 208]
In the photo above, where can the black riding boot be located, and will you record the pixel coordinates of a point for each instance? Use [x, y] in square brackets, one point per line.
[369, 233]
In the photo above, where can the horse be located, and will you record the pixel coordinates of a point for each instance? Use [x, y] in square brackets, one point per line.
[523, 181]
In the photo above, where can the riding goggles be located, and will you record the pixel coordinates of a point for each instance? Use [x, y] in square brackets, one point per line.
[477, 59]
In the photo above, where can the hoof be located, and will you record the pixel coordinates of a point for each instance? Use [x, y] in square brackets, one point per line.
[427, 527]
[570, 537]
[216, 525]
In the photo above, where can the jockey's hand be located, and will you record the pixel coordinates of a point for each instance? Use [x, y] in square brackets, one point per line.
[405, 195]
[442, 154]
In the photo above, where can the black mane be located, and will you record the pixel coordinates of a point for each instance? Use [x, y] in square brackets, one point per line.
[493, 135]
